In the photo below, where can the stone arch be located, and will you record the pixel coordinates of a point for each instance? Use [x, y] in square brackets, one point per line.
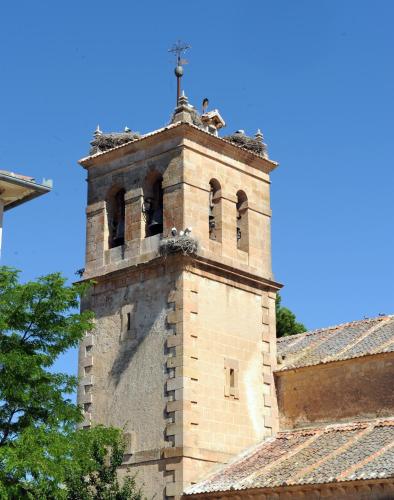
[116, 211]
[242, 221]
[153, 203]
[215, 210]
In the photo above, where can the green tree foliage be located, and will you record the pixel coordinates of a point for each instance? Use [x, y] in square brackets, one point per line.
[92, 474]
[286, 322]
[42, 455]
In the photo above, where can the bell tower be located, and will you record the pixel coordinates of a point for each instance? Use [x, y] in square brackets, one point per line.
[178, 246]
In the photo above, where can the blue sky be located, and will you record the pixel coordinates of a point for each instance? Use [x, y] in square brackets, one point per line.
[316, 77]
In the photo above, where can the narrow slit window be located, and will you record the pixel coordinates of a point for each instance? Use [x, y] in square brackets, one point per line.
[232, 378]
[128, 321]
[231, 389]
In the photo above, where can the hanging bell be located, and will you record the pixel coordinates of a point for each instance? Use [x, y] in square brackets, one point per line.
[155, 225]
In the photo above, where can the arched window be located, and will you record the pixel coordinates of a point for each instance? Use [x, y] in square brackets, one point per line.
[215, 210]
[242, 222]
[153, 205]
[116, 219]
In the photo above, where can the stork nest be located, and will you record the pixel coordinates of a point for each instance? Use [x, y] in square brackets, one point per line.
[196, 117]
[103, 142]
[183, 244]
[249, 143]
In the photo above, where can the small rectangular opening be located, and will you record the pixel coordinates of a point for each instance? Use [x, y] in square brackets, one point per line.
[128, 321]
[231, 375]
[88, 349]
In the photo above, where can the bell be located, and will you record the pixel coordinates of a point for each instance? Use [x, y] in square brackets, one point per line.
[119, 230]
[155, 225]
[117, 233]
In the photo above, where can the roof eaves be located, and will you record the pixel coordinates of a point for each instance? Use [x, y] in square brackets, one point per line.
[199, 489]
[287, 368]
[292, 362]
[25, 182]
[288, 338]
[84, 161]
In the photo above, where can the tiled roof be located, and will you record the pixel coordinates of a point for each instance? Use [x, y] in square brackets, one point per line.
[335, 453]
[336, 343]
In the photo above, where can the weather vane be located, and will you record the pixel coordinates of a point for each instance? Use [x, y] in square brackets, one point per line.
[178, 49]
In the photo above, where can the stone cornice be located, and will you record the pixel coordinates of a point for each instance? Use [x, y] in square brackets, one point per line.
[178, 262]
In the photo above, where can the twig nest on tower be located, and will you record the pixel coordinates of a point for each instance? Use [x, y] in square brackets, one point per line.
[184, 244]
[253, 144]
[103, 141]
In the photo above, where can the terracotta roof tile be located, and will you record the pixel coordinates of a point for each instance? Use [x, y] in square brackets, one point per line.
[336, 343]
[361, 450]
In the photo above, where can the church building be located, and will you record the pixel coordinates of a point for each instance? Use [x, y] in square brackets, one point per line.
[184, 356]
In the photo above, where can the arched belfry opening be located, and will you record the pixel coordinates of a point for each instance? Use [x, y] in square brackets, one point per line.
[116, 218]
[153, 205]
[242, 222]
[215, 210]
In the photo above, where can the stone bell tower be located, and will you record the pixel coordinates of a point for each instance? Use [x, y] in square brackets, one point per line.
[178, 246]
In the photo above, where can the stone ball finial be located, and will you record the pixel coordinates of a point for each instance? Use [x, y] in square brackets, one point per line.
[178, 71]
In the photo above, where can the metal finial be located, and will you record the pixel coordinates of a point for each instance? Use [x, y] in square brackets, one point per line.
[98, 131]
[178, 49]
